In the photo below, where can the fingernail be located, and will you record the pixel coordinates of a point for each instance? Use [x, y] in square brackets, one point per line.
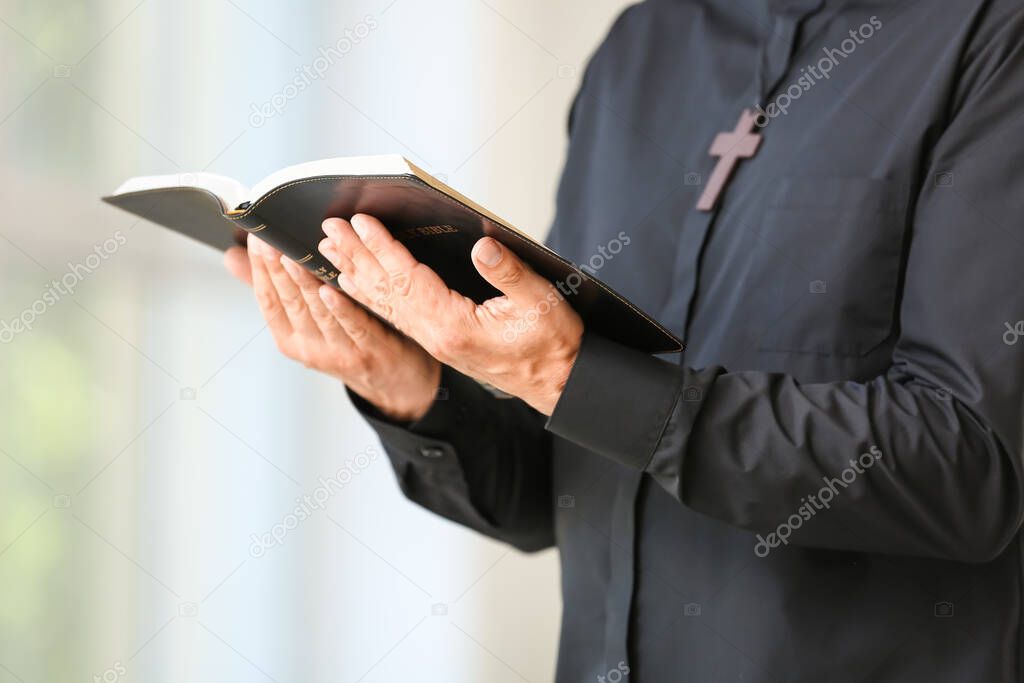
[254, 244]
[329, 228]
[488, 252]
[328, 296]
[346, 284]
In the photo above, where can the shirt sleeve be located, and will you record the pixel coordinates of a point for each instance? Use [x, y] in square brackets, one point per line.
[478, 460]
[475, 459]
[924, 459]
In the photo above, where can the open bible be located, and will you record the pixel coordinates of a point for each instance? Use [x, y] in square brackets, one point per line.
[438, 225]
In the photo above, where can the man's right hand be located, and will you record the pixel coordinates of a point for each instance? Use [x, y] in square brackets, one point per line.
[325, 330]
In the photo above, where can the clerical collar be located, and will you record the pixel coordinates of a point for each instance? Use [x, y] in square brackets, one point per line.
[776, 56]
[786, 19]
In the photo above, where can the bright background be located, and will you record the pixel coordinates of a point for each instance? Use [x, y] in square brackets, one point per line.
[148, 426]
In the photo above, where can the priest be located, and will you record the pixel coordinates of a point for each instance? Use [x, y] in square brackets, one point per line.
[822, 198]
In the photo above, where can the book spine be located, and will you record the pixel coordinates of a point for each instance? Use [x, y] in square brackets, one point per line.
[305, 255]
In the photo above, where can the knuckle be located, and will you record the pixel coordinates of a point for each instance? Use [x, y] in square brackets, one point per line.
[358, 333]
[346, 363]
[367, 369]
[356, 368]
[266, 300]
[373, 244]
[391, 291]
[293, 305]
[510, 276]
[449, 342]
[381, 291]
[306, 357]
[401, 284]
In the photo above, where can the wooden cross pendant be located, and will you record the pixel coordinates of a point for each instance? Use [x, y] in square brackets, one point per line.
[742, 143]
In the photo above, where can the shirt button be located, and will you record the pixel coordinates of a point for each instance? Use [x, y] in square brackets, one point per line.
[432, 452]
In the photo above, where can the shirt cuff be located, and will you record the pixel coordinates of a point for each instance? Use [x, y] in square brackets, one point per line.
[617, 401]
[429, 439]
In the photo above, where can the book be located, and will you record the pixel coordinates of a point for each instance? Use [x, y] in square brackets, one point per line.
[437, 224]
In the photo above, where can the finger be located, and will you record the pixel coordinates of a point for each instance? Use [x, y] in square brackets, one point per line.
[389, 252]
[236, 260]
[402, 295]
[404, 271]
[419, 304]
[366, 272]
[392, 255]
[374, 293]
[266, 294]
[359, 326]
[309, 287]
[346, 270]
[508, 274]
[288, 292]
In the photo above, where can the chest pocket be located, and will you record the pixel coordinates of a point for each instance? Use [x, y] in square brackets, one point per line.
[829, 254]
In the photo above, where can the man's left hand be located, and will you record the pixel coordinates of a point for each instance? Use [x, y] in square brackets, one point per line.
[523, 343]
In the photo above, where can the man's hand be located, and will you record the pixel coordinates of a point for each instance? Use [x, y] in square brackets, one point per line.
[524, 343]
[327, 331]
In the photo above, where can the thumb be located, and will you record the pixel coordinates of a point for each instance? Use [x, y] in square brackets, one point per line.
[507, 273]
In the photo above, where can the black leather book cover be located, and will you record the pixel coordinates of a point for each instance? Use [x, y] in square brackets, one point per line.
[435, 223]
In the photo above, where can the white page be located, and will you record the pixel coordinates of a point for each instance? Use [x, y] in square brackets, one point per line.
[230, 192]
[233, 193]
[386, 164]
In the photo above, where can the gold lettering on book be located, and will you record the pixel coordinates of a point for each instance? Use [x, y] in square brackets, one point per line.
[324, 274]
[305, 259]
[427, 231]
[262, 226]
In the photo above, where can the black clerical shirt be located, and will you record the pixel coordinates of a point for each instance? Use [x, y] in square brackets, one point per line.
[826, 486]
